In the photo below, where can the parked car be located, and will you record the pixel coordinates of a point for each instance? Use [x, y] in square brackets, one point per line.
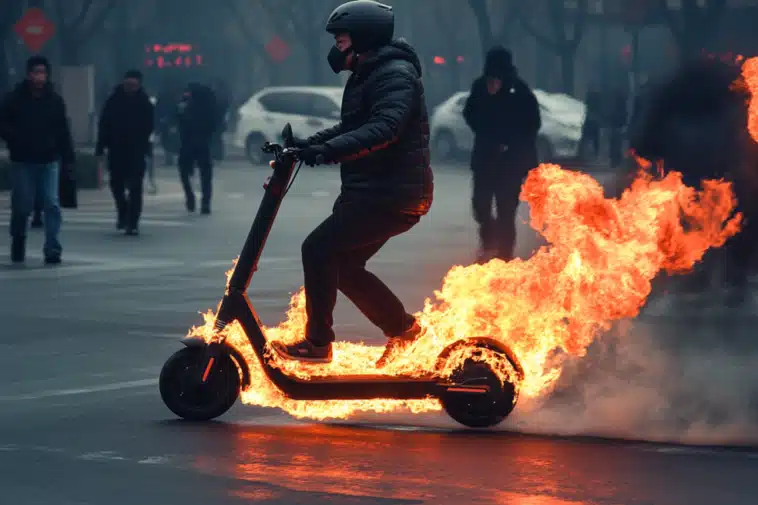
[307, 108]
[562, 120]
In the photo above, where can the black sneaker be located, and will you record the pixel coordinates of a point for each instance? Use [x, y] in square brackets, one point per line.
[206, 210]
[304, 351]
[132, 231]
[53, 260]
[120, 224]
[397, 345]
[190, 204]
[18, 250]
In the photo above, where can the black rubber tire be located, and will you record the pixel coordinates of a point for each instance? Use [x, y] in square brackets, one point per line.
[477, 410]
[185, 395]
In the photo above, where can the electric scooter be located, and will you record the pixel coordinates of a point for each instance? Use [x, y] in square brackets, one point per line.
[203, 380]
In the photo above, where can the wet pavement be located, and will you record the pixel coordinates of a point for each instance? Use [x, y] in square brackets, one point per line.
[81, 421]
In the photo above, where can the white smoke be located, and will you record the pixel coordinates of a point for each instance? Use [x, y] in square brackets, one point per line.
[683, 379]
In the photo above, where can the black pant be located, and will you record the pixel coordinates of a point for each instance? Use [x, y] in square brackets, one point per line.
[590, 138]
[335, 256]
[616, 146]
[127, 173]
[199, 154]
[496, 232]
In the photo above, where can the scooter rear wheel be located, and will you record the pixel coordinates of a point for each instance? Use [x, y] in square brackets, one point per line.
[187, 395]
[477, 410]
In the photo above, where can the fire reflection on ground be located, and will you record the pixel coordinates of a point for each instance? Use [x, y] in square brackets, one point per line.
[269, 462]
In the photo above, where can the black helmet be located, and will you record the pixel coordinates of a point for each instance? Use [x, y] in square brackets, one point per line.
[369, 24]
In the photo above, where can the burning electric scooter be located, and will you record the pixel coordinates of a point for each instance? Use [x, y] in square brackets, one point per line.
[203, 380]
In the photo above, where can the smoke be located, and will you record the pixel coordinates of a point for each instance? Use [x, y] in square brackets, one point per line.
[679, 379]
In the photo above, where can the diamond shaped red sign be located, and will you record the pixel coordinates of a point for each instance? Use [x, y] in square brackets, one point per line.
[277, 49]
[34, 29]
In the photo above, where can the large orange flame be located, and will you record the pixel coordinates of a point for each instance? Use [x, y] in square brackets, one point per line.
[597, 268]
[750, 76]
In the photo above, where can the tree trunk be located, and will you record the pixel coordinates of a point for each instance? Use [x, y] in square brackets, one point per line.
[5, 83]
[568, 70]
[486, 38]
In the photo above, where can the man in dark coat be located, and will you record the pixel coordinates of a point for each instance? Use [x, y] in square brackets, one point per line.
[198, 122]
[382, 142]
[505, 117]
[126, 124]
[696, 123]
[34, 125]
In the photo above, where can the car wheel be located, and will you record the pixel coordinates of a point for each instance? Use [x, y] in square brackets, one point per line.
[253, 150]
[445, 145]
[544, 150]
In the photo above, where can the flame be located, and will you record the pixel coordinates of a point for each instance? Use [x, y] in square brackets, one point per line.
[597, 268]
[750, 78]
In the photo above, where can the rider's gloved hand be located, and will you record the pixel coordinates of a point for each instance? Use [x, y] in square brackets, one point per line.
[300, 143]
[315, 155]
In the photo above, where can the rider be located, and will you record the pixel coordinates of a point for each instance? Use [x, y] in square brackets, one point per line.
[382, 143]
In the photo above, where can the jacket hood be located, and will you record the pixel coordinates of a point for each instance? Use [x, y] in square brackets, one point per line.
[499, 63]
[398, 49]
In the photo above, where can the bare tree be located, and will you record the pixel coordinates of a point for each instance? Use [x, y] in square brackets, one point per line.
[304, 21]
[692, 25]
[484, 13]
[74, 34]
[567, 21]
[242, 12]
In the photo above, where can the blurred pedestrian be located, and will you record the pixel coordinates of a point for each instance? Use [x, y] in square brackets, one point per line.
[592, 124]
[34, 125]
[618, 116]
[126, 124]
[504, 115]
[197, 118]
[696, 123]
[223, 104]
[165, 117]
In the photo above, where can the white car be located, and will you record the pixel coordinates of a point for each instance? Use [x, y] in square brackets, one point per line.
[562, 120]
[307, 108]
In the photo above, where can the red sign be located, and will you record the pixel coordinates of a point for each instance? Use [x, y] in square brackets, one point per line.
[277, 49]
[34, 29]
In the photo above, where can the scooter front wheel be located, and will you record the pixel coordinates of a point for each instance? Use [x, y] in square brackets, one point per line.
[198, 387]
[476, 410]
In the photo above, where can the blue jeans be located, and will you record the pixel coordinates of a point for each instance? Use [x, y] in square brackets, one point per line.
[30, 181]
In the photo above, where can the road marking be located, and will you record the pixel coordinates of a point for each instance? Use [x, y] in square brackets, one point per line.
[115, 386]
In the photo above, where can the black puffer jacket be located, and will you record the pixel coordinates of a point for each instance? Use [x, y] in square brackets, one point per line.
[382, 140]
[35, 127]
[126, 123]
[510, 117]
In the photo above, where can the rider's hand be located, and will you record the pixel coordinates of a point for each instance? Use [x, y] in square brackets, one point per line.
[300, 143]
[315, 155]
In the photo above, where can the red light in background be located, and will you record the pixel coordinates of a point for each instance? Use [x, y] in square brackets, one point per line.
[199, 59]
[160, 62]
[459, 59]
[439, 60]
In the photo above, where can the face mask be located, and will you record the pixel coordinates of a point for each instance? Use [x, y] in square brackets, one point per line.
[338, 59]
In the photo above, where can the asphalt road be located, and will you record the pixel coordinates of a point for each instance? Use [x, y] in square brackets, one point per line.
[81, 421]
